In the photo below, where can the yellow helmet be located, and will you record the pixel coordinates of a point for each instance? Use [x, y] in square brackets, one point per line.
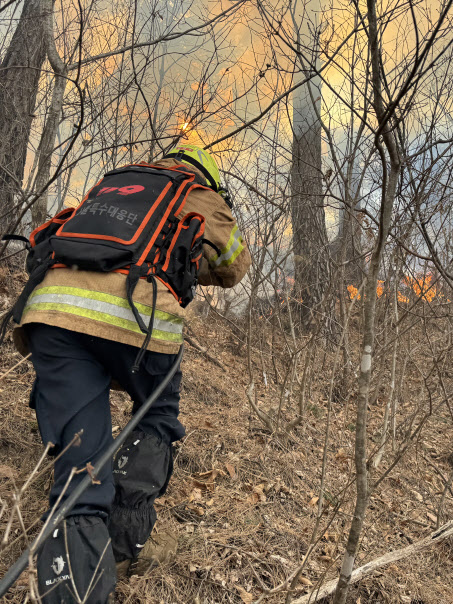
[199, 158]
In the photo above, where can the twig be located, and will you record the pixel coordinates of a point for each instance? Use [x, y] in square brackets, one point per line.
[35, 469]
[11, 543]
[448, 484]
[204, 351]
[16, 365]
[75, 442]
[95, 578]
[71, 574]
[263, 416]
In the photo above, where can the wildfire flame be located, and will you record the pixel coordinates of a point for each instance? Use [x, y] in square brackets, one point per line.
[380, 289]
[421, 286]
[353, 292]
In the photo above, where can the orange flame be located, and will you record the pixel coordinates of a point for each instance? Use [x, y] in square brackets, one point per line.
[380, 289]
[402, 298]
[353, 292]
[422, 287]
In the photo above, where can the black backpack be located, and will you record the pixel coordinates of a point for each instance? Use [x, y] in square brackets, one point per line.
[126, 223]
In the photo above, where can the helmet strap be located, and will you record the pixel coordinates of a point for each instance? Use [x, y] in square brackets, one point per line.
[181, 156]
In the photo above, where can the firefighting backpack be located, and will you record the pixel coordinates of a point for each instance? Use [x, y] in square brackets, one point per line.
[126, 223]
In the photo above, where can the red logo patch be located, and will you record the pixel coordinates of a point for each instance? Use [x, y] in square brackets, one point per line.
[128, 190]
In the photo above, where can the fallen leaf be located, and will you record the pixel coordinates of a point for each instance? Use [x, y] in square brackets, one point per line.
[204, 486]
[245, 596]
[258, 492]
[196, 495]
[90, 470]
[254, 498]
[231, 471]
[341, 455]
[305, 581]
[205, 480]
[418, 497]
[431, 517]
[199, 511]
[313, 501]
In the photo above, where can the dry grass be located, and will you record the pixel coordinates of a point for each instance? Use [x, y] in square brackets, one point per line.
[243, 502]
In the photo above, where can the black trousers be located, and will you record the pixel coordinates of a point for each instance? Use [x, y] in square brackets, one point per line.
[71, 393]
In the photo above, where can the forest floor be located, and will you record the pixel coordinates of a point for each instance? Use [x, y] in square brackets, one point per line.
[242, 501]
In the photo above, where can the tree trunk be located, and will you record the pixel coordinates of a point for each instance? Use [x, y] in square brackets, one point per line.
[45, 150]
[308, 220]
[388, 193]
[348, 242]
[19, 78]
[310, 243]
[349, 235]
[47, 142]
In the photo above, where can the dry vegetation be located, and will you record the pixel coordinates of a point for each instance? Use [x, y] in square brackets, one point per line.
[319, 423]
[243, 501]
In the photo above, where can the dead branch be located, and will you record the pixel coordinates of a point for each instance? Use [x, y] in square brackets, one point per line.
[192, 341]
[360, 573]
[14, 366]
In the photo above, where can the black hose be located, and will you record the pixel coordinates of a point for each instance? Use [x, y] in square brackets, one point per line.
[21, 564]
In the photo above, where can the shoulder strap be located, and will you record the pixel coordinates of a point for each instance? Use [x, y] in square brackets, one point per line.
[9, 237]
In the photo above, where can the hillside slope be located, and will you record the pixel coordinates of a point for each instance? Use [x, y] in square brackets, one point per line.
[244, 502]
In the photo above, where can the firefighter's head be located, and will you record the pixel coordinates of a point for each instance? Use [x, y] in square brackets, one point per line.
[201, 159]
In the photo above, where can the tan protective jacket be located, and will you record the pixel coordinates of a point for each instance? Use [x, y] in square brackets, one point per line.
[95, 303]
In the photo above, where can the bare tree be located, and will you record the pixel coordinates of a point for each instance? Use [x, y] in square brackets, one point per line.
[310, 243]
[20, 71]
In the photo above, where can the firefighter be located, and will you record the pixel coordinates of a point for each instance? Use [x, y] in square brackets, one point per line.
[80, 329]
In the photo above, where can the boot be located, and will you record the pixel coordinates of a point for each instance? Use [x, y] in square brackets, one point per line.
[159, 549]
[78, 566]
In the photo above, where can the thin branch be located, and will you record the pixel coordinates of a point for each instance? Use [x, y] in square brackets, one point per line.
[163, 38]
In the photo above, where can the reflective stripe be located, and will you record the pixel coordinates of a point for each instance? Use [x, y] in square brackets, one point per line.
[231, 251]
[105, 308]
